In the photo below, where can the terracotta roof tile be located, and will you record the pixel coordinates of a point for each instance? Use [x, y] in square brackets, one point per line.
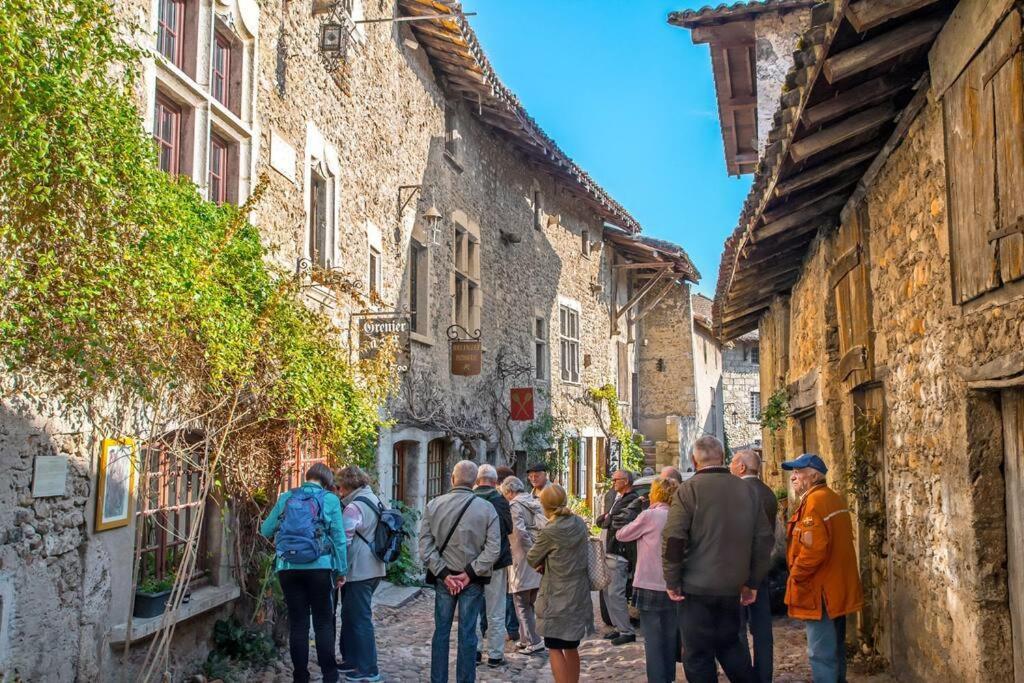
[709, 14]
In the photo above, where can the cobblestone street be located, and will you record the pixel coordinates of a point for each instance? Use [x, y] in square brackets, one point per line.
[403, 639]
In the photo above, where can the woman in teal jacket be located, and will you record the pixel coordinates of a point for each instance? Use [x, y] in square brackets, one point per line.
[309, 587]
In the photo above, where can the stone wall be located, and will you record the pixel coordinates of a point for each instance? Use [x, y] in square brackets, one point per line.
[739, 380]
[666, 376]
[707, 372]
[943, 577]
[775, 37]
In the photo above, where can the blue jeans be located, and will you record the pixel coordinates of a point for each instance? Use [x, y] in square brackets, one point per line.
[470, 603]
[358, 644]
[661, 634]
[511, 620]
[758, 618]
[826, 648]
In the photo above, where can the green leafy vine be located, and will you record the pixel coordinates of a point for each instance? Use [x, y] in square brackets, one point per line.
[632, 454]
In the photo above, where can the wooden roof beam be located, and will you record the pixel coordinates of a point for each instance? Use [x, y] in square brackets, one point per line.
[867, 14]
[800, 217]
[881, 49]
[795, 202]
[828, 169]
[848, 128]
[872, 92]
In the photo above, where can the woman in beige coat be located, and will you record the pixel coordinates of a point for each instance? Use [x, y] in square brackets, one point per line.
[564, 607]
[523, 580]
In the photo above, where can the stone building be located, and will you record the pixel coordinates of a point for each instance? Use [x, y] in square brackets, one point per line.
[879, 254]
[728, 381]
[399, 163]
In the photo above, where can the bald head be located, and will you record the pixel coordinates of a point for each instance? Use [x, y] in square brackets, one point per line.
[464, 473]
[744, 463]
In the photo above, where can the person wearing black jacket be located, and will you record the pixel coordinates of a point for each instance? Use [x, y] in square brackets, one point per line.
[621, 557]
[494, 593]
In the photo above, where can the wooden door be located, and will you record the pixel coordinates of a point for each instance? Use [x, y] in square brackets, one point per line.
[809, 433]
[1013, 445]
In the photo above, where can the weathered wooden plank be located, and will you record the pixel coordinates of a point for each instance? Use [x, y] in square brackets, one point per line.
[1007, 87]
[854, 359]
[869, 93]
[971, 22]
[799, 201]
[881, 49]
[853, 126]
[1005, 366]
[828, 169]
[1013, 474]
[733, 32]
[798, 218]
[969, 118]
[866, 14]
[843, 265]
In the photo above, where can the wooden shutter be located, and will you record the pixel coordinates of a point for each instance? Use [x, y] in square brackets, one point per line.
[985, 179]
[852, 290]
[1007, 86]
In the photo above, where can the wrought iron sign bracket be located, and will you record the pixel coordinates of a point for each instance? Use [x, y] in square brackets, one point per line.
[460, 333]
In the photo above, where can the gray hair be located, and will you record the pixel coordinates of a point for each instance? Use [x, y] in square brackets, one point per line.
[672, 472]
[709, 451]
[487, 473]
[628, 475]
[512, 485]
[749, 458]
[464, 473]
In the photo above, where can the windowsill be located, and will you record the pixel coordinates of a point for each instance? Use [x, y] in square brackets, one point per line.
[421, 338]
[997, 297]
[456, 164]
[203, 600]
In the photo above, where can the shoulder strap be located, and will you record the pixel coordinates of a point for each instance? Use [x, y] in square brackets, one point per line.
[368, 503]
[451, 532]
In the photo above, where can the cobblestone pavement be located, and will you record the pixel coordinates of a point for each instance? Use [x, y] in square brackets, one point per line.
[403, 645]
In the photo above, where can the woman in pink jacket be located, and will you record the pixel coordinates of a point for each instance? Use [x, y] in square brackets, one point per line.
[657, 611]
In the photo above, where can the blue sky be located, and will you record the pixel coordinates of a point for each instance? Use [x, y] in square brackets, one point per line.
[631, 100]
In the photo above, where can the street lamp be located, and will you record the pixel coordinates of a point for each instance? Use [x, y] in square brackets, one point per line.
[433, 219]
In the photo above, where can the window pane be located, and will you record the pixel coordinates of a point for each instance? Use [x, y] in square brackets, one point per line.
[171, 18]
[166, 131]
[220, 84]
[218, 170]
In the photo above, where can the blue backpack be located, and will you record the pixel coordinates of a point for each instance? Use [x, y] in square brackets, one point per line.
[301, 537]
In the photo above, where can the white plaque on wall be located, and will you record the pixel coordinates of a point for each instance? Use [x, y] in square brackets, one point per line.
[282, 156]
[50, 477]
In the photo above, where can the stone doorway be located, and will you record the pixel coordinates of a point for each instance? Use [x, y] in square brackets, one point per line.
[1013, 470]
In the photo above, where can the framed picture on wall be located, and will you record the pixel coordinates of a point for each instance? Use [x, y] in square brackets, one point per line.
[116, 476]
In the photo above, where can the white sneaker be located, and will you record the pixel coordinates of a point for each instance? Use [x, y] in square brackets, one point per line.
[531, 649]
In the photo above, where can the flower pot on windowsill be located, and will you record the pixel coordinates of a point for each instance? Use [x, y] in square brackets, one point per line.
[150, 604]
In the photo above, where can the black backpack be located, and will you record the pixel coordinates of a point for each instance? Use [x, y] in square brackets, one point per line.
[388, 535]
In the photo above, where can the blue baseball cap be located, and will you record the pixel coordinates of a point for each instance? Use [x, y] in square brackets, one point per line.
[806, 460]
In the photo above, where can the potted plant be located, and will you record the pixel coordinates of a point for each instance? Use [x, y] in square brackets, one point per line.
[151, 596]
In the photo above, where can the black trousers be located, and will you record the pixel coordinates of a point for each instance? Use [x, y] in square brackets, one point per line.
[310, 592]
[710, 628]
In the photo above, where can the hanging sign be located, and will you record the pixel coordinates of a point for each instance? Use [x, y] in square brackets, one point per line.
[522, 404]
[466, 358]
[378, 330]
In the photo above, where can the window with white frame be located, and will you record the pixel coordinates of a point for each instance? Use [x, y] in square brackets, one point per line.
[202, 122]
[540, 348]
[755, 355]
[755, 406]
[321, 186]
[569, 343]
[419, 287]
[467, 295]
[374, 274]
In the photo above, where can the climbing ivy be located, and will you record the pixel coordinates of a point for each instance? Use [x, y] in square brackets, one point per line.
[861, 478]
[540, 439]
[632, 454]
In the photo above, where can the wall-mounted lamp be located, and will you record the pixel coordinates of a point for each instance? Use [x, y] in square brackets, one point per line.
[433, 217]
[332, 37]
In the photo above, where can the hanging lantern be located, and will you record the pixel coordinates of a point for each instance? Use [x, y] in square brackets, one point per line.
[433, 219]
[332, 36]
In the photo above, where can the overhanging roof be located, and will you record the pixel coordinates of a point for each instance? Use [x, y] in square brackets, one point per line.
[692, 18]
[464, 71]
[653, 253]
[856, 83]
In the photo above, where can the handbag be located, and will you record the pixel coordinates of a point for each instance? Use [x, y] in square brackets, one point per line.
[597, 569]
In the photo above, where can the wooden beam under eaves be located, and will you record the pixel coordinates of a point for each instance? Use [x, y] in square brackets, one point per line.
[881, 49]
[828, 169]
[802, 200]
[867, 14]
[802, 216]
[848, 128]
[634, 266]
[655, 300]
[866, 94]
[644, 290]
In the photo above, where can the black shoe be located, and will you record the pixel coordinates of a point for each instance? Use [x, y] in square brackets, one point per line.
[623, 639]
[611, 635]
[479, 658]
[495, 663]
[346, 668]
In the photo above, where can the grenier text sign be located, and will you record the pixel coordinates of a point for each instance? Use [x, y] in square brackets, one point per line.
[378, 331]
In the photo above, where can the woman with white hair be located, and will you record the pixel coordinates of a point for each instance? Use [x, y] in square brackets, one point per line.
[523, 580]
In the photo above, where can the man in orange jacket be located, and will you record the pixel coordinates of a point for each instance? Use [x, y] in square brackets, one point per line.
[824, 580]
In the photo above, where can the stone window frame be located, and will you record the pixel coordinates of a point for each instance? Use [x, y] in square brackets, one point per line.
[453, 147]
[569, 346]
[419, 287]
[755, 354]
[585, 243]
[466, 284]
[541, 354]
[537, 206]
[321, 161]
[203, 115]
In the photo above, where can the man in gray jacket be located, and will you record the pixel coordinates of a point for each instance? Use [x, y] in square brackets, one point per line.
[715, 549]
[460, 540]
